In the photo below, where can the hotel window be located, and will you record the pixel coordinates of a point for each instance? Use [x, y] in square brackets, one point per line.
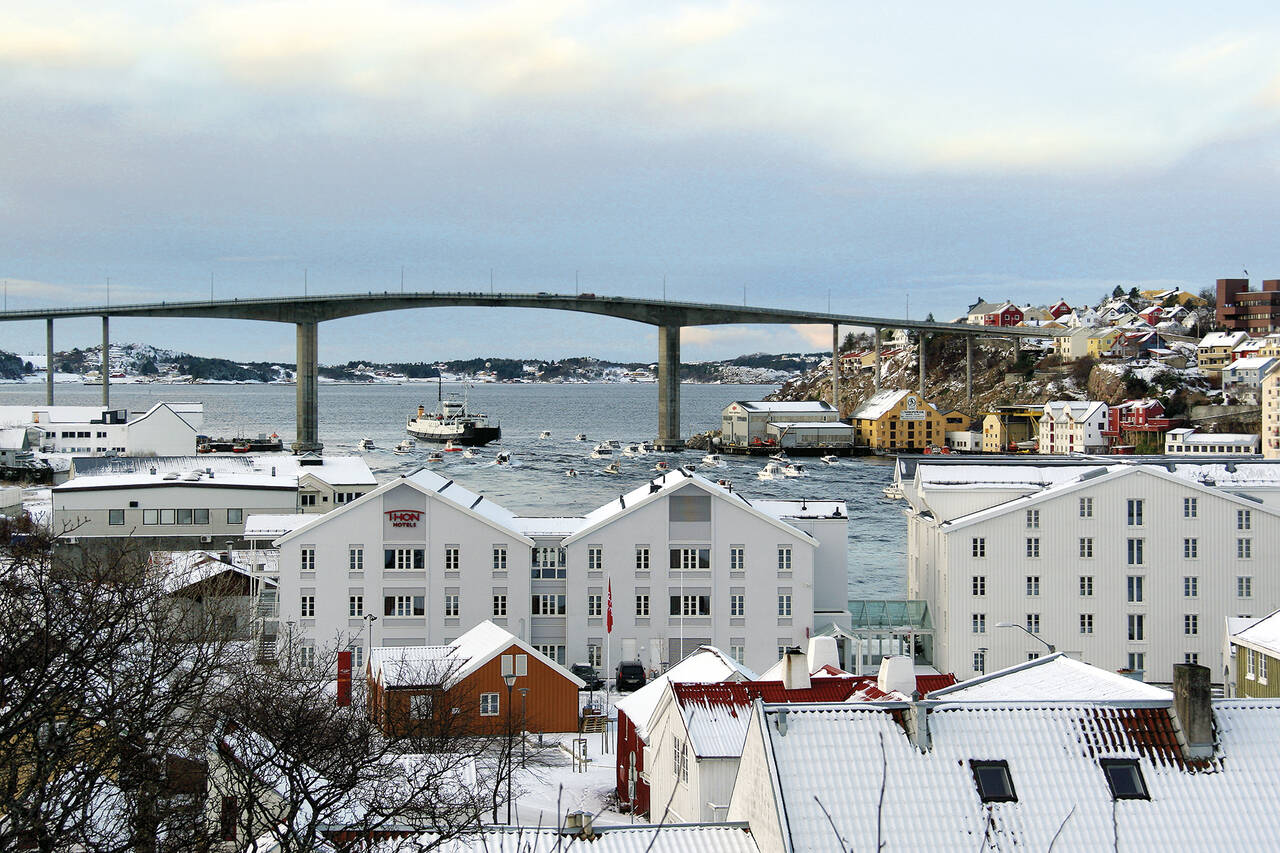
[451, 604]
[308, 559]
[1086, 507]
[1033, 546]
[115, 516]
[979, 583]
[979, 623]
[1137, 627]
[548, 563]
[1033, 584]
[499, 604]
[784, 558]
[1086, 547]
[1134, 512]
[308, 607]
[1190, 586]
[451, 559]
[1086, 623]
[548, 605]
[737, 604]
[737, 558]
[1244, 548]
[1135, 589]
[235, 516]
[595, 605]
[690, 559]
[404, 558]
[151, 516]
[489, 704]
[595, 558]
[551, 650]
[1191, 624]
[738, 651]
[980, 661]
[1190, 548]
[355, 606]
[499, 558]
[690, 605]
[1137, 661]
[1189, 507]
[642, 558]
[784, 604]
[1033, 519]
[978, 546]
[1244, 519]
[1086, 585]
[404, 605]
[1033, 623]
[355, 559]
[1135, 552]
[1244, 587]
[642, 605]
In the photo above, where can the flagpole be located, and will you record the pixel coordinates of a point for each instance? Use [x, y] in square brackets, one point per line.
[608, 651]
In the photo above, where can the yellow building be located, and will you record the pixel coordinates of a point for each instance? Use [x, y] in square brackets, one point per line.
[1007, 425]
[1102, 342]
[1271, 413]
[898, 420]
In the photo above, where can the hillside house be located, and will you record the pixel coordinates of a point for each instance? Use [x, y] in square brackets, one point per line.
[1073, 426]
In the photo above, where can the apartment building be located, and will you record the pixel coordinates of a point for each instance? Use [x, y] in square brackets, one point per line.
[1187, 441]
[898, 420]
[1254, 311]
[1128, 566]
[1073, 426]
[683, 562]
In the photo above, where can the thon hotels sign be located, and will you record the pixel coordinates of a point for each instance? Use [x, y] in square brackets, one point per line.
[406, 525]
[403, 517]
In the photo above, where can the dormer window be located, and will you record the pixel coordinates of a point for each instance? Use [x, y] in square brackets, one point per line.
[1124, 777]
[993, 781]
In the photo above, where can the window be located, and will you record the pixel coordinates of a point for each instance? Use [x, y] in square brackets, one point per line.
[551, 651]
[404, 558]
[307, 498]
[1244, 587]
[1189, 507]
[737, 604]
[499, 558]
[1138, 661]
[451, 558]
[979, 584]
[1086, 507]
[1033, 584]
[167, 516]
[548, 605]
[784, 604]
[642, 605]
[307, 656]
[1135, 589]
[784, 559]
[1086, 585]
[1190, 548]
[451, 604]
[1135, 552]
[1086, 547]
[115, 516]
[1191, 657]
[1262, 668]
[404, 605]
[738, 652]
[978, 546]
[548, 563]
[489, 704]
[1033, 519]
[1033, 623]
[690, 605]
[980, 661]
[595, 558]
[993, 781]
[355, 559]
[642, 558]
[1137, 627]
[355, 606]
[979, 622]
[308, 607]
[737, 558]
[1190, 586]
[420, 706]
[1250, 664]
[690, 559]
[1244, 519]
[1244, 549]
[1124, 777]
[1135, 512]
[227, 818]
[151, 516]
[1033, 546]
[235, 516]
[1191, 624]
[594, 604]
[1086, 623]
[184, 516]
[201, 516]
[499, 604]
[595, 654]
[679, 759]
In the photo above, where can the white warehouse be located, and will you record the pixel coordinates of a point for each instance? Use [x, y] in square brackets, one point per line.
[688, 563]
[166, 429]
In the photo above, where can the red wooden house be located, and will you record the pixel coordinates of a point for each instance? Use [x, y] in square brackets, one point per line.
[1007, 314]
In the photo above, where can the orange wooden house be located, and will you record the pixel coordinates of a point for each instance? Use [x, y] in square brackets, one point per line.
[460, 686]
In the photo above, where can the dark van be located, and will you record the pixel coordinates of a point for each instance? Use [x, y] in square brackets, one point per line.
[630, 676]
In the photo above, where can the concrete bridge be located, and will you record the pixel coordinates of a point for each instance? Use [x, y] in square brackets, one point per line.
[307, 312]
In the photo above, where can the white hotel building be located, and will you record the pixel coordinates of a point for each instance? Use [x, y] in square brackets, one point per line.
[1126, 566]
[690, 563]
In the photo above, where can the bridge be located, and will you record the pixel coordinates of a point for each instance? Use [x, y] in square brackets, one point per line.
[307, 312]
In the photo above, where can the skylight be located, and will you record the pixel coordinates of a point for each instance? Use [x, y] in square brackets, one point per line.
[1124, 776]
[993, 781]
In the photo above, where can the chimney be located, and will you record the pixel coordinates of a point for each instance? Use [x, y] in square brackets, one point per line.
[1194, 710]
[897, 674]
[918, 725]
[822, 652]
[795, 670]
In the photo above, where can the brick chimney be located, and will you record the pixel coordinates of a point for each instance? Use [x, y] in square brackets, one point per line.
[1193, 706]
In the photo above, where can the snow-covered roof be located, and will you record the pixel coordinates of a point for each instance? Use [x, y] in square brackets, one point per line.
[334, 470]
[1263, 634]
[880, 403]
[1253, 362]
[1076, 411]
[667, 838]
[271, 526]
[800, 426]
[1054, 677]
[786, 407]
[412, 666]
[1192, 436]
[179, 569]
[705, 664]
[13, 438]
[914, 799]
[534, 526]
[191, 479]
[1223, 339]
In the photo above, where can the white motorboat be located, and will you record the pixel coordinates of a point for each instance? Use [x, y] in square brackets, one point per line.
[405, 446]
[614, 467]
[831, 459]
[780, 457]
[435, 456]
[893, 492]
[632, 450]
[546, 433]
[470, 453]
[602, 451]
[614, 443]
[646, 447]
[582, 436]
[793, 469]
[503, 458]
[571, 473]
[771, 471]
[366, 444]
[712, 459]
[662, 466]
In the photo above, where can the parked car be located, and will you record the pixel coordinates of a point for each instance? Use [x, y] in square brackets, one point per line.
[588, 673]
[631, 676]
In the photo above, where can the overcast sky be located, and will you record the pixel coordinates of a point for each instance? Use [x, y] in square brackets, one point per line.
[873, 152]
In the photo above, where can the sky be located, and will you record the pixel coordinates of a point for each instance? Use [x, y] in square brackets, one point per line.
[890, 159]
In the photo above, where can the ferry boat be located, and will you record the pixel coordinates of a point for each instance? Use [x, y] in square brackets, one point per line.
[452, 422]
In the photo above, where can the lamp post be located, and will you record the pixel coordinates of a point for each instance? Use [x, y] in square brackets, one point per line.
[510, 680]
[1024, 630]
[370, 618]
[524, 724]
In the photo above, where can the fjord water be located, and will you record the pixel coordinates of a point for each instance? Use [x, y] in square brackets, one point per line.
[536, 483]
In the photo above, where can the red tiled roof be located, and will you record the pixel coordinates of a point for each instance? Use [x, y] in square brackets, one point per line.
[842, 687]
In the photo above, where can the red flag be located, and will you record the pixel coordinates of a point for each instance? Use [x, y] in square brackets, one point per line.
[608, 621]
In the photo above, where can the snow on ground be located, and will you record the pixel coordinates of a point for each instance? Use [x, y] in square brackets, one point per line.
[39, 503]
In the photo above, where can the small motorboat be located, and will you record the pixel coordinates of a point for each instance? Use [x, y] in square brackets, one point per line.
[602, 451]
[712, 459]
[632, 450]
[646, 447]
[435, 456]
[831, 459]
[366, 444]
[614, 467]
[571, 473]
[662, 466]
[893, 492]
[405, 446]
[204, 447]
[725, 483]
[582, 436]
[793, 469]
[503, 458]
[471, 453]
[613, 443]
[546, 433]
[780, 457]
[450, 447]
[771, 471]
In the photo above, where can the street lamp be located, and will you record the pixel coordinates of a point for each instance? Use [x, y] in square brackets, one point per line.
[524, 724]
[1024, 630]
[370, 618]
[510, 680]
